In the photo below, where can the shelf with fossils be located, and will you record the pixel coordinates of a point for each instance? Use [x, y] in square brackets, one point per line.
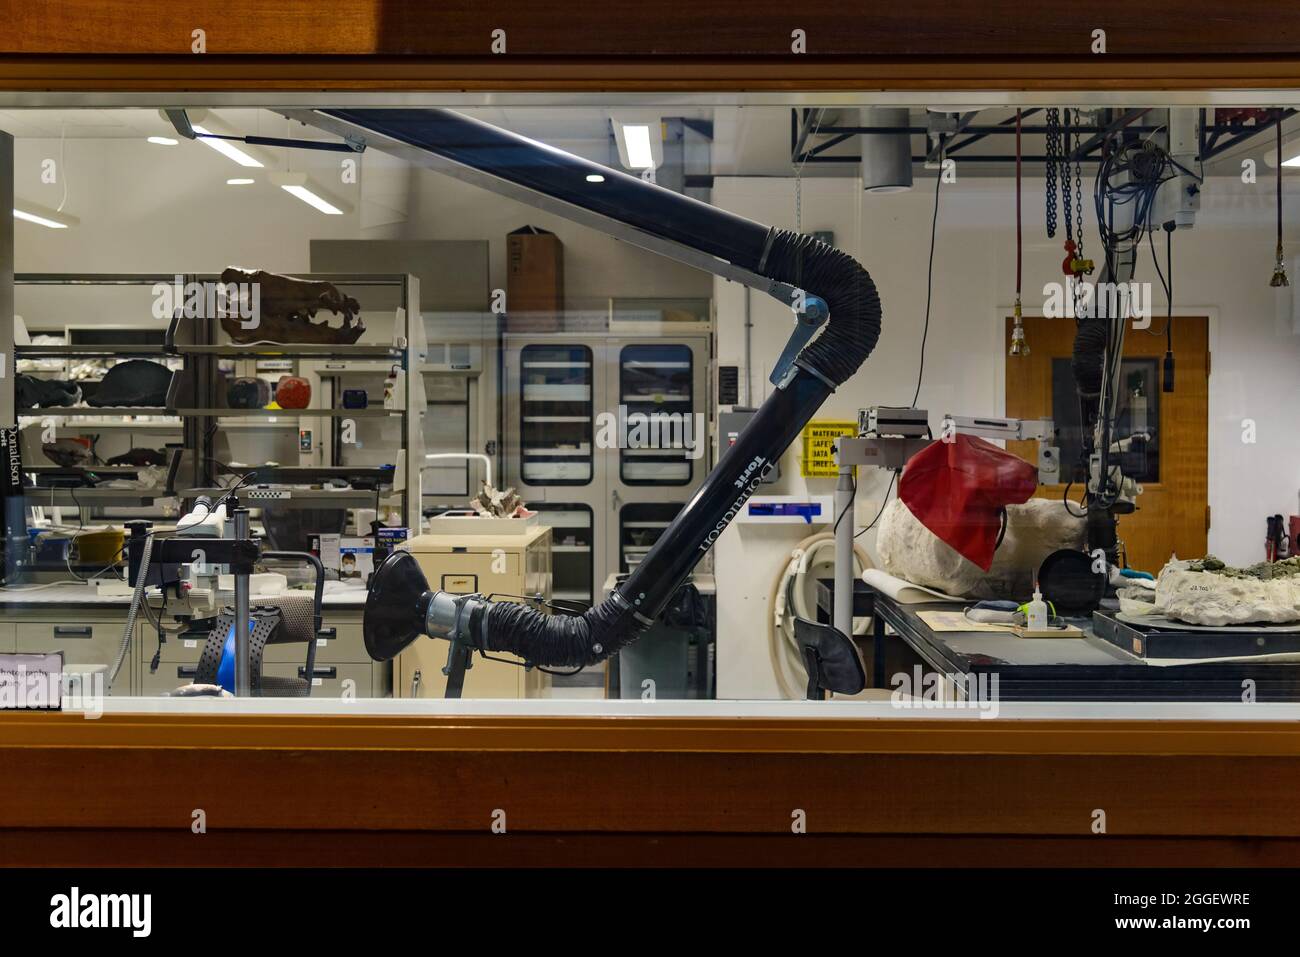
[205, 333]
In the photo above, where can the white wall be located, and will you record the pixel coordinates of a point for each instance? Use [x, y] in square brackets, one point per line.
[1222, 268]
[146, 208]
[596, 267]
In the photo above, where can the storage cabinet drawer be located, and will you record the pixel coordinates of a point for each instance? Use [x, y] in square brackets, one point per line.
[368, 680]
[83, 639]
[329, 678]
[341, 642]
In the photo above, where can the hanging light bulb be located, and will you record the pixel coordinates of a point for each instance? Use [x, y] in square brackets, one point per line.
[1279, 271]
[1279, 266]
[1018, 345]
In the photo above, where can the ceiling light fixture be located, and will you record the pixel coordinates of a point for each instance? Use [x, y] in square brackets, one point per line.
[50, 219]
[225, 148]
[240, 182]
[163, 141]
[640, 142]
[298, 186]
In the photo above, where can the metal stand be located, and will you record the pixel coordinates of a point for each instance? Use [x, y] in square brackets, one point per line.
[243, 671]
[458, 662]
[842, 618]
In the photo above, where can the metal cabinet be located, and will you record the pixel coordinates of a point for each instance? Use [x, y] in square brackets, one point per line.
[342, 666]
[88, 637]
[461, 560]
[606, 434]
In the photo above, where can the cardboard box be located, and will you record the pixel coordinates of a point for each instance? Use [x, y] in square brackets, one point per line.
[534, 281]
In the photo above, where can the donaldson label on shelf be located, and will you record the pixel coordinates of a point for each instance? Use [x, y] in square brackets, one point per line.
[819, 446]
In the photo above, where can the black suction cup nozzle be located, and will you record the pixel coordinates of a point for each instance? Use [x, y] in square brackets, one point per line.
[396, 606]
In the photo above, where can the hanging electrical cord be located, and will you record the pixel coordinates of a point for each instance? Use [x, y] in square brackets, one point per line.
[872, 524]
[1167, 379]
[1279, 267]
[137, 598]
[929, 288]
[788, 600]
[1164, 284]
[1129, 176]
[1018, 346]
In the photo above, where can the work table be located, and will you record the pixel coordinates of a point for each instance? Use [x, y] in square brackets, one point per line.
[74, 595]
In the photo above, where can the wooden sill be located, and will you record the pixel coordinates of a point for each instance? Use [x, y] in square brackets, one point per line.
[364, 783]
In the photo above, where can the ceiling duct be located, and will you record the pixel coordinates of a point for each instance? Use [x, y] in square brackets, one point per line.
[886, 157]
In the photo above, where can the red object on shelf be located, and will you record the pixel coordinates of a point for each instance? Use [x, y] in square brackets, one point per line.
[292, 392]
[957, 489]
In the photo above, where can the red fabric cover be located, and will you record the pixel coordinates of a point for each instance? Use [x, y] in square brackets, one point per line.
[957, 489]
[292, 392]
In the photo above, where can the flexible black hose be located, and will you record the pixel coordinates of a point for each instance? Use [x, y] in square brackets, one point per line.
[806, 263]
[854, 325]
[838, 351]
[1088, 357]
[562, 640]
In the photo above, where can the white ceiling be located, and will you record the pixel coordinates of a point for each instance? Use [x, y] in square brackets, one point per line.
[761, 135]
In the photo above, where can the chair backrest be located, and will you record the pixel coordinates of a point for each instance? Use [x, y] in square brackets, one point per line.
[282, 619]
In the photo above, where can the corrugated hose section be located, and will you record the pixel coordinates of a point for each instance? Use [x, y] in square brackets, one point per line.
[842, 346]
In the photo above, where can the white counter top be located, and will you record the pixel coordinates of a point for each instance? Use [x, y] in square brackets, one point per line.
[71, 594]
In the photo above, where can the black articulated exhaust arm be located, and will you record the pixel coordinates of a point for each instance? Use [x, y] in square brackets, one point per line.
[827, 276]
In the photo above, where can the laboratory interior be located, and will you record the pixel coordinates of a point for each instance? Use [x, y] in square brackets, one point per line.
[877, 402]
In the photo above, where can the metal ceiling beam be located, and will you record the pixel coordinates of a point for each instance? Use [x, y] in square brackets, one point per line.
[1099, 137]
[1009, 122]
[1246, 134]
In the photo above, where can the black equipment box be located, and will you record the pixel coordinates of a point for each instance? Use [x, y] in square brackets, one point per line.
[1171, 641]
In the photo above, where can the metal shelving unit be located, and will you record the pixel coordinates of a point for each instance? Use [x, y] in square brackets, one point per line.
[199, 415]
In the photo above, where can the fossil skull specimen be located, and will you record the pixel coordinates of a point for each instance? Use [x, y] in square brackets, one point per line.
[287, 308]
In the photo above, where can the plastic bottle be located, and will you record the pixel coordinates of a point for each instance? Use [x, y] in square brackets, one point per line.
[1036, 612]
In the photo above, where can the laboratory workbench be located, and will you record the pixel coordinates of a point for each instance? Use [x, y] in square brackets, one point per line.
[1087, 668]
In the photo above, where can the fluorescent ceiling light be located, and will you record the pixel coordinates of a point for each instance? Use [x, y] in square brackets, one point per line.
[311, 199]
[163, 141]
[640, 141]
[298, 185]
[226, 148]
[639, 154]
[45, 217]
[1293, 162]
[240, 182]
[595, 178]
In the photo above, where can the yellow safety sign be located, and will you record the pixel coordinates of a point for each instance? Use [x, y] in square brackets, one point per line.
[819, 446]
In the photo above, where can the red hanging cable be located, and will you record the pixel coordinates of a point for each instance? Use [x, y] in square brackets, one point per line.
[1018, 238]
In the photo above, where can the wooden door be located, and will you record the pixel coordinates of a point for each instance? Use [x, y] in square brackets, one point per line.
[1173, 515]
